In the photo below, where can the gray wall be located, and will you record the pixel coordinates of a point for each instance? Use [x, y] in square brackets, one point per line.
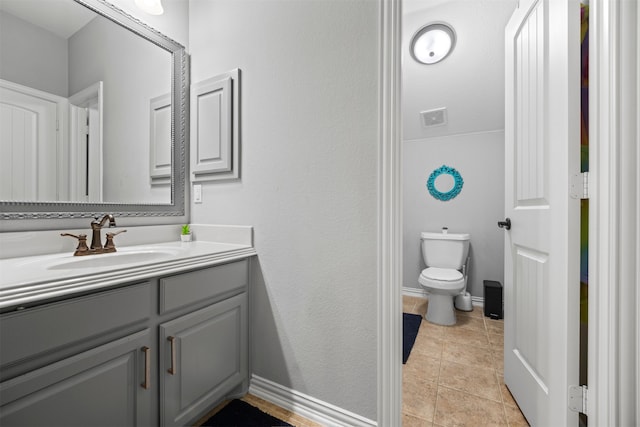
[26, 50]
[308, 184]
[470, 84]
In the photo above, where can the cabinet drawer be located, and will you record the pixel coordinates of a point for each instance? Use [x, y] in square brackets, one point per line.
[35, 331]
[189, 288]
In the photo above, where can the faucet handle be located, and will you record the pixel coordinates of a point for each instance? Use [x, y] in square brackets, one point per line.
[110, 246]
[82, 248]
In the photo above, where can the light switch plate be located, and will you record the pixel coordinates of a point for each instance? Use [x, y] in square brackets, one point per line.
[197, 193]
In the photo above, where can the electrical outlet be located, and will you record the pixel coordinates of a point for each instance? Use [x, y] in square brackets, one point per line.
[197, 193]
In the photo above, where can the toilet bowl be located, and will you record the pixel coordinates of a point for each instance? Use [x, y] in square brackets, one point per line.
[444, 254]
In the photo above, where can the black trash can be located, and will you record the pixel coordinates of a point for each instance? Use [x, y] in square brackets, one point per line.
[493, 299]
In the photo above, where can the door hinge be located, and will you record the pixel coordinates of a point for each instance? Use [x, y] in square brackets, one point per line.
[579, 186]
[578, 398]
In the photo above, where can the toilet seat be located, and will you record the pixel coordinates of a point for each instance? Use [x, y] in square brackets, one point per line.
[444, 274]
[442, 279]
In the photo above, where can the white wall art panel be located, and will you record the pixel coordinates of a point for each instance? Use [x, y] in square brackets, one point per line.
[214, 128]
[160, 140]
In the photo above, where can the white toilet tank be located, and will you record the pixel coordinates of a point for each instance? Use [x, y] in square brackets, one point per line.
[445, 250]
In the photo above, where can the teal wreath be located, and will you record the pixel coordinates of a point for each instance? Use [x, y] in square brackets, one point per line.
[457, 183]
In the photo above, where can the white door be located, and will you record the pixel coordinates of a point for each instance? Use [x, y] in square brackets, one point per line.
[28, 143]
[542, 132]
[85, 144]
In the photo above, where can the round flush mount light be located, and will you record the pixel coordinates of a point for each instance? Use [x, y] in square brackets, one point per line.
[433, 43]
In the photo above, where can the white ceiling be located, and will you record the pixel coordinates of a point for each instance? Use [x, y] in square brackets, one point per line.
[61, 17]
[469, 83]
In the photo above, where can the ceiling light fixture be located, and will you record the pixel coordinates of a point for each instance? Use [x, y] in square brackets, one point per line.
[152, 7]
[433, 43]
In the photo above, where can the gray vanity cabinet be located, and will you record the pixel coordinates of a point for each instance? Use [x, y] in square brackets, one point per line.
[205, 358]
[161, 351]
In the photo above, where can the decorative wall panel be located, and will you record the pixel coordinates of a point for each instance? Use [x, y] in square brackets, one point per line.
[215, 139]
[160, 140]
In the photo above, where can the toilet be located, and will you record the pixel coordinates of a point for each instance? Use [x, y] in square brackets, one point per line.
[445, 255]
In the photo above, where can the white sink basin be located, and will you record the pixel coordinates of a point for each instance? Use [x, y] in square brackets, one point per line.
[115, 259]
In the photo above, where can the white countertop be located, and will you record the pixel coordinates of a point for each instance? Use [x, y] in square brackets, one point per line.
[30, 279]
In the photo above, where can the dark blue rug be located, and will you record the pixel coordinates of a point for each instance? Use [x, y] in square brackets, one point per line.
[410, 326]
[238, 413]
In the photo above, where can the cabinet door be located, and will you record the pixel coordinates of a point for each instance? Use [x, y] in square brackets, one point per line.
[205, 356]
[104, 386]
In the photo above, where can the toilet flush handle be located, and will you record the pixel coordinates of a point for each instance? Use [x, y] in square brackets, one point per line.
[506, 224]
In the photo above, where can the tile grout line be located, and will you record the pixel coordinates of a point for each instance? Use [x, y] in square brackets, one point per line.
[435, 403]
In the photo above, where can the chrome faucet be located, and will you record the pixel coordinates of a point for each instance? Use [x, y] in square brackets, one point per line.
[96, 227]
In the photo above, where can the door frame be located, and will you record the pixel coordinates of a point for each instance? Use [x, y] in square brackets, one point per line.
[608, 196]
[614, 347]
[389, 250]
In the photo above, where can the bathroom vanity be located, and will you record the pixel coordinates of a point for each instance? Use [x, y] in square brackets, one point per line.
[159, 341]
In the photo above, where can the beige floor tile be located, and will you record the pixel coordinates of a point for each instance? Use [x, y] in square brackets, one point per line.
[429, 347]
[255, 401]
[470, 355]
[419, 399]
[279, 412]
[515, 417]
[455, 408]
[469, 322]
[419, 366]
[467, 336]
[421, 306]
[496, 340]
[481, 382]
[476, 312]
[498, 358]
[507, 397]
[494, 326]
[466, 361]
[408, 305]
[431, 329]
[411, 421]
[414, 305]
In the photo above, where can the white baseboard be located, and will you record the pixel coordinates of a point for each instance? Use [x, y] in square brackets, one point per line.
[413, 292]
[305, 405]
[421, 293]
[477, 301]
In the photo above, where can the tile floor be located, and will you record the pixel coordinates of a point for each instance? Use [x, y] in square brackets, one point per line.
[454, 375]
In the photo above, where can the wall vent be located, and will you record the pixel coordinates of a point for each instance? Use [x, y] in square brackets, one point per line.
[436, 117]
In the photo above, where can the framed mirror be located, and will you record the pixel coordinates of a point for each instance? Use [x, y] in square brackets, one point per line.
[94, 113]
[445, 183]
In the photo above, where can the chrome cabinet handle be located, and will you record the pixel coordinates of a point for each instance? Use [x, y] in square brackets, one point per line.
[147, 367]
[173, 370]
